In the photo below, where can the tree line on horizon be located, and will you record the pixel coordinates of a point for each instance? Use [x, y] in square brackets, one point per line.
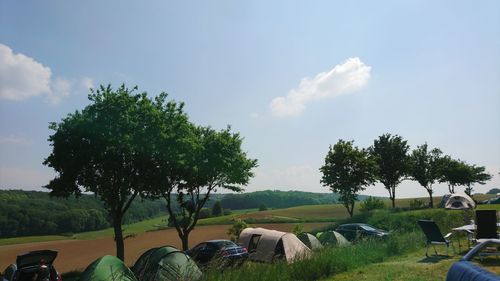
[348, 169]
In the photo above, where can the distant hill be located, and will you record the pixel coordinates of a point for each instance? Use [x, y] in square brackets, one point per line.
[276, 199]
[25, 213]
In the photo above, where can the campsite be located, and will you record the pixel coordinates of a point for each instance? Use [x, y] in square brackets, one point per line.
[257, 140]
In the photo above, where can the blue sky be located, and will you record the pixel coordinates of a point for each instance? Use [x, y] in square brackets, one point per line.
[291, 76]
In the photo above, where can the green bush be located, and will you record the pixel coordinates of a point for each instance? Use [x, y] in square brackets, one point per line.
[372, 203]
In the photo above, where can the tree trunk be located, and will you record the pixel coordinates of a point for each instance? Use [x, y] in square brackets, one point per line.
[120, 247]
[431, 202]
[185, 241]
[393, 197]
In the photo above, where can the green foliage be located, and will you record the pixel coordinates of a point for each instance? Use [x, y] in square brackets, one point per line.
[416, 204]
[426, 168]
[276, 199]
[236, 229]
[391, 156]
[105, 149]
[217, 209]
[227, 212]
[493, 191]
[372, 203]
[347, 171]
[298, 228]
[192, 162]
[262, 207]
[457, 172]
[25, 213]
[205, 213]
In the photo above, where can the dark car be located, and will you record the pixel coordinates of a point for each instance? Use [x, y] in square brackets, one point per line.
[35, 265]
[224, 251]
[353, 231]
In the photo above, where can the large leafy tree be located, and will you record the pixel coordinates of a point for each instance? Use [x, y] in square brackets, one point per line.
[206, 160]
[391, 155]
[425, 168]
[102, 149]
[347, 171]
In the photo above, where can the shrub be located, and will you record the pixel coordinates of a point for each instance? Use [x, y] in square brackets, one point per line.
[262, 207]
[235, 230]
[371, 203]
[416, 204]
[298, 228]
[227, 211]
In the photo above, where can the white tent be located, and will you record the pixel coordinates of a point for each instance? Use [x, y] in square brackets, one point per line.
[265, 245]
[460, 201]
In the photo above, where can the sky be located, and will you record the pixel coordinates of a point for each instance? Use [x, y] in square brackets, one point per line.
[293, 77]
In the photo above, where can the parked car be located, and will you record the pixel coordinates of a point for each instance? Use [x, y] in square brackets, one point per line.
[35, 265]
[353, 231]
[224, 251]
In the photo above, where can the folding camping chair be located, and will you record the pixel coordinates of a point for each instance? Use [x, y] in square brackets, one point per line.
[464, 270]
[486, 224]
[434, 236]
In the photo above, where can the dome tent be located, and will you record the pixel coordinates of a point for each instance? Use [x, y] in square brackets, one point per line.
[310, 240]
[332, 238]
[266, 245]
[165, 264]
[107, 268]
[460, 201]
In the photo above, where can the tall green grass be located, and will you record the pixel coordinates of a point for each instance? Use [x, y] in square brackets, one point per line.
[326, 262]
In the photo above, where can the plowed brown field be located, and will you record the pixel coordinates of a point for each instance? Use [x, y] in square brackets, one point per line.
[77, 254]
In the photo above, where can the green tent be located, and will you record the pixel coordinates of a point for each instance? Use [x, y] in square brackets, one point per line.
[332, 238]
[165, 264]
[107, 268]
[310, 240]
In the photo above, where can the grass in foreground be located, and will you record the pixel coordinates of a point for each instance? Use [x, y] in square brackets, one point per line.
[324, 263]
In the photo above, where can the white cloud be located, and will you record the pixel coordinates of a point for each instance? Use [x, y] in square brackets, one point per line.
[344, 78]
[22, 77]
[294, 177]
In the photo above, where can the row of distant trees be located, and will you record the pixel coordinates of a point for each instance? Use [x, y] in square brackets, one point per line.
[125, 145]
[349, 169]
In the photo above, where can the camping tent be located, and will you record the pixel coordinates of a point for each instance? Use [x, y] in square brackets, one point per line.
[107, 268]
[265, 245]
[460, 201]
[332, 238]
[310, 240]
[165, 264]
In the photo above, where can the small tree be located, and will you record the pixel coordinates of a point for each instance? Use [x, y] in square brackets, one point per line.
[102, 149]
[262, 207]
[475, 175]
[298, 228]
[347, 171]
[217, 209]
[391, 156]
[453, 172]
[235, 230]
[493, 191]
[425, 168]
[372, 203]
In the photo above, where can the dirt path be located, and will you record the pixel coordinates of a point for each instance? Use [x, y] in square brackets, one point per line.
[77, 254]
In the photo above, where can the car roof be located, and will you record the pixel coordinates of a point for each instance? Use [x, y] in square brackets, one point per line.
[353, 224]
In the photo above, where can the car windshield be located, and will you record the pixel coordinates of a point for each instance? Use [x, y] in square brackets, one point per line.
[225, 244]
[368, 228]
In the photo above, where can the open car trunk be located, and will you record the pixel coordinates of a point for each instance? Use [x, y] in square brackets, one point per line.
[33, 258]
